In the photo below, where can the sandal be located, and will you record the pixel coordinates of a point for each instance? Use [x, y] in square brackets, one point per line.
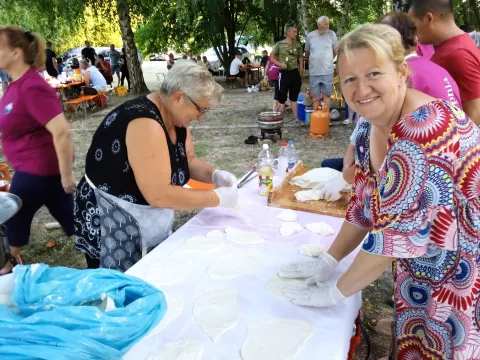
[383, 326]
[12, 260]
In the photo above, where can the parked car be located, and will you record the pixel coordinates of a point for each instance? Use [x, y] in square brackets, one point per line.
[77, 53]
[157, 57]
[215, 61]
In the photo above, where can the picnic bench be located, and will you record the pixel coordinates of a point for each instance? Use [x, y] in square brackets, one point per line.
[80, 103]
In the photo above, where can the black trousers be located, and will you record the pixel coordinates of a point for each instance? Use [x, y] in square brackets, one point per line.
[125, 75]
[289, 84]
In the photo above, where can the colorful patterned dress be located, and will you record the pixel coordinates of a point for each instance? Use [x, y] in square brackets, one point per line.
[423, 208]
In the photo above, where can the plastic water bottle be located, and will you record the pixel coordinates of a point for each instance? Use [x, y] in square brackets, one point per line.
[291, 155]
[265, 171]
[282, 160]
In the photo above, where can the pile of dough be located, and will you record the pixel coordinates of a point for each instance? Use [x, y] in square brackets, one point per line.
[277, 284]
[216, 310]
[243, 237]
[314, 177]
[174, 309]
[290, 228]
[320, 228]
[185, 349]
[312, 250]
[170, 271]
[235, 264]
[307, 195]
[214, 240]
[287, 215]
[276, 339]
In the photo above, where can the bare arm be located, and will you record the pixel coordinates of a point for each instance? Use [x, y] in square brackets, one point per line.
[62, 141]
[86, 78]
[472, 109]
[366, 268]
[148, 155]
[307, 55]
[276, 62]
[349, 164]
[300, 64]
[199, 169]
[55, 65]
[347, 240]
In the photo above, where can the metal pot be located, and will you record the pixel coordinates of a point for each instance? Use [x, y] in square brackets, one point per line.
[270, 120]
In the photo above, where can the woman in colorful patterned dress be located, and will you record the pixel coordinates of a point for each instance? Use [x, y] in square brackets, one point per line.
[417, 196]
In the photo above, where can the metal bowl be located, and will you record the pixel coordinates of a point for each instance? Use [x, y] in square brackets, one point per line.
[268, 116]
[270, 125]
[9, 206]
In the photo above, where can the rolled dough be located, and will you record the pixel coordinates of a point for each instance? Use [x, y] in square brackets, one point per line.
[230, 266]
[312, 250]
[287, 215]
[243, 237]
[320, 228]
[216, 310]
[174, 309]
[185, 349]
[276, 285]
[211, 242]
[290, 228]
[276, 339]
[170, 271]
[307, 195]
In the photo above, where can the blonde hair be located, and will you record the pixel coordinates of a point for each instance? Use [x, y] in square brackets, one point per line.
[31, 44]
[384, 40]
[194, 80]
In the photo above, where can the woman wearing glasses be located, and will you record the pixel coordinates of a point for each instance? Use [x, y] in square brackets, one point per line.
[140, 158]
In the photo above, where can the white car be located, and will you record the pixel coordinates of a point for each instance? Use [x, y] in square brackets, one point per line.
[215, 61]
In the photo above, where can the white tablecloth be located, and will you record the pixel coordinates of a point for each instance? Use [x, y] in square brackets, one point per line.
[334, 326]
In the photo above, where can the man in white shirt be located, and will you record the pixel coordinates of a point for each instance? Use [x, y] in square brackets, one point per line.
[236, 69]
[320, 52]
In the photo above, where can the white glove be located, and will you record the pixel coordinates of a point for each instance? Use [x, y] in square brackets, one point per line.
[319, 270]
[222, 178]
[330, 190]
[228, 196]
[314, 296]
[265, 78]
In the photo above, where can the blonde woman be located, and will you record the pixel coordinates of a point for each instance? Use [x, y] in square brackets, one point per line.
[416, 193]
[141, 156]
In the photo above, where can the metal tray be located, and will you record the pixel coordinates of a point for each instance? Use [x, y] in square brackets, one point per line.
[10, 204]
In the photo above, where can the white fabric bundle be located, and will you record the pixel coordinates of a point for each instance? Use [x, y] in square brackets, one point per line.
[314, 177]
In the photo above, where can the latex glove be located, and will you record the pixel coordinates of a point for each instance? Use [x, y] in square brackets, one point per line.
[265, 78]
[314, 296]
[330, 190]
[228, 196]
[222, 178]
[319, 270]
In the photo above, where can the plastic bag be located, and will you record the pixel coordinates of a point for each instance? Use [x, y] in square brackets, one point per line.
[62, 313]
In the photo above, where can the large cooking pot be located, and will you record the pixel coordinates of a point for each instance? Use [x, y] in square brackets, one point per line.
[9, 206]
[270, 120]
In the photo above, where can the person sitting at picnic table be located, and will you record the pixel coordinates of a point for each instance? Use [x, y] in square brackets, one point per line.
[75, 64]
[237, 68]
[199, 60]
[60, 65]
[171, 61]
[94, 80]
[416, 196]
[105, 69]
[140, 158]
[264, 60]
[208, 65]
[36, 140]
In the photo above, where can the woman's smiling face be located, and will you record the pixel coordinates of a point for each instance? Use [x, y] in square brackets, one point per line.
[371, 87]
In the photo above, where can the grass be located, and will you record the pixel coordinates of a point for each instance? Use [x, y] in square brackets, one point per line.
[220, 142]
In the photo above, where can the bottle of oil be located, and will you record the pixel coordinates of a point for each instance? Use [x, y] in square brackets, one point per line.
[265, 171]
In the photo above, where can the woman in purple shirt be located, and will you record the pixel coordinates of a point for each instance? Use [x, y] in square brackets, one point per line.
[36, 140]
[425, 75]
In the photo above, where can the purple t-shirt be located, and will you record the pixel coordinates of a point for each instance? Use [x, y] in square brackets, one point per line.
[426, 51]
[433, 80]
[28, 104]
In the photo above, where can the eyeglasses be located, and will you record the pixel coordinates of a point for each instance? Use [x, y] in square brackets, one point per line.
[202, 111]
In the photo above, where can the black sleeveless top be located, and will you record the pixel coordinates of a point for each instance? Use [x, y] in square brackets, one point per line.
[107, 164]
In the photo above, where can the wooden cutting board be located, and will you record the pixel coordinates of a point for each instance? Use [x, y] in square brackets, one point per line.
[282, 196]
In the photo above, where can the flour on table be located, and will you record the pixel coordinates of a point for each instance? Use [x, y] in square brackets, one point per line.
[320, 228]
[276, 339]
[307, 195]
[243, 237]
[312, 250]
[174, 310]
[290, 228]
[185, 349]
[213, 241]
[314, 177]
[216, 310]
[232, 265]
[287, 215]
[170, 271]
[277, 284]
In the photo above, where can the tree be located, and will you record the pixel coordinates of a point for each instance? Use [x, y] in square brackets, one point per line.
[401, 5]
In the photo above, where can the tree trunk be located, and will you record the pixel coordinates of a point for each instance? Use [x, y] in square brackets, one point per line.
[343, 19]
[401, 5]
[476, 11]
[137, 83]
[302, 14]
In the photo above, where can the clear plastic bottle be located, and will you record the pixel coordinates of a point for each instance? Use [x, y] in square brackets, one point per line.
[282, 160]
[291, 155]
[265, 171]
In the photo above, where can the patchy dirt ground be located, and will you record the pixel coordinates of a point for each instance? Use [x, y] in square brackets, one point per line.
[220, 141]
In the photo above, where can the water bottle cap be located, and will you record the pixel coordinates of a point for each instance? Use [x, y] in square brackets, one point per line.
[284, 143]
[265, 146]
[290, 142]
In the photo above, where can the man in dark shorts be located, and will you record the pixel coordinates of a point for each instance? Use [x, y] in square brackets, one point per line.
[88, 53]
[289, 53]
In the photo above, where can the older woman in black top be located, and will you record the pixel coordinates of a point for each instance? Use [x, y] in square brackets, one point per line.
[140, 158]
